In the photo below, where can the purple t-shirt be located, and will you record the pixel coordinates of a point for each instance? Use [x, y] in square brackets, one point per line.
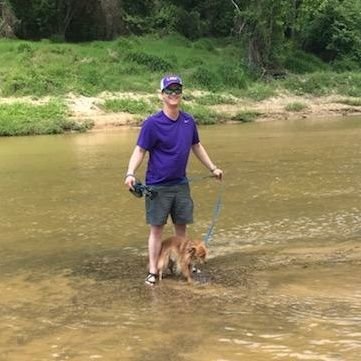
[168, 143]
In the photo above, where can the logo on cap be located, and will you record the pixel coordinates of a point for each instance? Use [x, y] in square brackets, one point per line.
[168, 80]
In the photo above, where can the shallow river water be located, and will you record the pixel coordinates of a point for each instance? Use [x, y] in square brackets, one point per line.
[283, 280]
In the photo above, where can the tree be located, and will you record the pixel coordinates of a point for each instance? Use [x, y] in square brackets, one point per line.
[113, 18]
[8, 20]
[331, 28]
[261, 25]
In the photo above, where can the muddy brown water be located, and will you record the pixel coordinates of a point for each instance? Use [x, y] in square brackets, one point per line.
[283, 281]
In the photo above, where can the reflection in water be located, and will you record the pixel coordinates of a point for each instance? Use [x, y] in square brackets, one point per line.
[282, 282]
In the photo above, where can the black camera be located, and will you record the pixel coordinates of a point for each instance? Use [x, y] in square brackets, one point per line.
[141, 190]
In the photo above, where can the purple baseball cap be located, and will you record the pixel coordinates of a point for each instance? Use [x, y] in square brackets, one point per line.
[168, 80]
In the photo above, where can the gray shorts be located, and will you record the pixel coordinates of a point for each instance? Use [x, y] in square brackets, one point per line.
[172, 200]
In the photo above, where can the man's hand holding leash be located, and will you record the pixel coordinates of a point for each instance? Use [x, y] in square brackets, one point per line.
[216, 172]
[129, 181]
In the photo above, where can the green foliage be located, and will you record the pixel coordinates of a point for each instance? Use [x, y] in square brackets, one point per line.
[295, 107]
[136, 64]
[317, 83]
[152, 62]
[262, 25]
[84, 20]
[37, 17]
[201, 114]
[27, 119]
[214, 99]
[192, 19]
[205, 44]
[331, 28]
[30, 83]
[345, 64]
[216, 16]
[246, 116]
[353, 102]
[191, 25]
[322, 83]
[232, 76]
[61, 20]
[168, 19]
[259, 91]
[128, 105]
[300, 62]
[24, 47]
[206, 78]
[124, 44]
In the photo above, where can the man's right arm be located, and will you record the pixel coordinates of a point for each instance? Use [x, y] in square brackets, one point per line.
[135, 161]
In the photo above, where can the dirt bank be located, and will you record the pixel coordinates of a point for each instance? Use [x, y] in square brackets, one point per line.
[269, 109]
[89, 108]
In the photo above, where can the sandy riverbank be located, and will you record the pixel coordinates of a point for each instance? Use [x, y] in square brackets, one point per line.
[89, 108]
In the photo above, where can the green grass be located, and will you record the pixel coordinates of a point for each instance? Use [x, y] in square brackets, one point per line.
[214, 99]
[128, 105]
[295, 107]
[136, 64]
[353, 102]
[202, 115]
[324, 83]
[299, 62]
[26, 119]
[126, 64]
[260, 91]
[246, 116]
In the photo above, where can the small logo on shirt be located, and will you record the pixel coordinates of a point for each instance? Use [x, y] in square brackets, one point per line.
[186, 121]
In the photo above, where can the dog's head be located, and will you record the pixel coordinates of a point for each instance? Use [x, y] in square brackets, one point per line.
[198, 251]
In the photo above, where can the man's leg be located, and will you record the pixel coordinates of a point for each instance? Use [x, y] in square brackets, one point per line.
[154, 246]
[180, 230]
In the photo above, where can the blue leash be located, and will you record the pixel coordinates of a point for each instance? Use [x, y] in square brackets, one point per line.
[216, 212]
[141, 190]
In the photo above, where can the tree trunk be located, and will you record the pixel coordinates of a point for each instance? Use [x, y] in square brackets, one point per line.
[8, 21]
[255, 61]
[114, 24]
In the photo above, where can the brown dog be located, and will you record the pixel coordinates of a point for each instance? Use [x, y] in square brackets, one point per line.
[184, 252]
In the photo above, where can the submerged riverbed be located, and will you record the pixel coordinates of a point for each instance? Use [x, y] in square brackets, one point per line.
[282, 281]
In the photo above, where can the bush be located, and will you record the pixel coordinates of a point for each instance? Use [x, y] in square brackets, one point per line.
[213, 99]
[176, 39]
[259, 91]
[315, 84]
[190, 24]
[152, 62]
[167, 19]
[28, 119]
[24, 48]
[204, 44]
[246, 116]
[346, 64]
[300, 62]
[124, 44]
[295, 107]
[128, 105]
[31, 83]
[352, 102]
[205, 78]
[201, 114]
[232, 76]
[322, 83]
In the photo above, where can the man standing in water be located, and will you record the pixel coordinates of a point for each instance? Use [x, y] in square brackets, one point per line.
[168, 136]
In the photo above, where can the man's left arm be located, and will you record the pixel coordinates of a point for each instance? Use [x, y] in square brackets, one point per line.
[200, 152]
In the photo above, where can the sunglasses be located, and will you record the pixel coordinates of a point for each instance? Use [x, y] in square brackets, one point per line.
[170, 91]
